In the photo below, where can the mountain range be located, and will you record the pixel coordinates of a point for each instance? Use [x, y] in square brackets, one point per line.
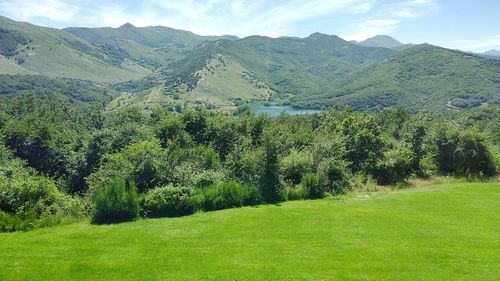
[161, 66]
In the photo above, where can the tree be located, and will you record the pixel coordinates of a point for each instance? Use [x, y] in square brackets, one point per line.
[142, 162]
[414, 138]
[363, 141]
[463, 153]
[170, 130]
[271, 187]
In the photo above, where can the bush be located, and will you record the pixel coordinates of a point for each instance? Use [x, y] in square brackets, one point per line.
[170, 201]
[294, 166]
[229, 195]
[362, 182]
[142, 162]
[11, 223]
[333, 175]
[115, 202]
[312, 188]
[295, 193]
[395, 167]
[463, 154]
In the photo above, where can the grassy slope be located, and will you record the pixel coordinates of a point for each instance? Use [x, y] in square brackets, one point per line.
[8, 66]
[224, 79]
[56, 54]
[446, 232]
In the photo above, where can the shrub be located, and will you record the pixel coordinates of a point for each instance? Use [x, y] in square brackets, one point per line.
[463, 153]
[229, 195]
[395, 167]
[312, 188]
[115, 202]
[294, 166]
[11, 223]
[333, 175]
[142, 162]
[295, 193]
[474, 157]
[170, 201]
[362, 182]
[245, 164]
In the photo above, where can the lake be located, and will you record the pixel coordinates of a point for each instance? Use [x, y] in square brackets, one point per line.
[276, 110]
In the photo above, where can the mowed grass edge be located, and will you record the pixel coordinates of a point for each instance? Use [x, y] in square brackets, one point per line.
[442, 232]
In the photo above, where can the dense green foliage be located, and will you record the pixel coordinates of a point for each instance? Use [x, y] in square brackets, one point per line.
[170, 201]
[75, 90]
[192, 161]
[422, 78]
[116, 201]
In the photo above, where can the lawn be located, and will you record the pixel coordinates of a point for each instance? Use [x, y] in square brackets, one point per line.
[443, 232]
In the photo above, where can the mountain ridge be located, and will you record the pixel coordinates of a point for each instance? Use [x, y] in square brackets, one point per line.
[178, 67]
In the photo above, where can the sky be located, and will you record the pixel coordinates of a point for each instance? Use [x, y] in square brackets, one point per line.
[469, 25]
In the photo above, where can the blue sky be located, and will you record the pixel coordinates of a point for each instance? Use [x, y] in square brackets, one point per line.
[461, 24]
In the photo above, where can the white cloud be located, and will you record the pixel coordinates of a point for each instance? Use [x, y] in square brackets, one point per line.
[370, 28]
[54, 10]
[385, 18]
[239, 17]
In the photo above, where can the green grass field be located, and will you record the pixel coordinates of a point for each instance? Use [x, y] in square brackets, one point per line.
[443, 232]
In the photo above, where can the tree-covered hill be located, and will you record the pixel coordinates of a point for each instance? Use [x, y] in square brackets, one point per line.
[288, 66]
[180, 68]
[73, 89]
[422, 78]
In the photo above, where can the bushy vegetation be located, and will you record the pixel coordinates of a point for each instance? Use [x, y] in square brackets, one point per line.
[61, 161]
[170, 201]
[229, 195]
[116, 201]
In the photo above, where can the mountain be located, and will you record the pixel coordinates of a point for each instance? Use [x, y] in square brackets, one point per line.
[491, 54]
[422, 78]
[265, 67]
[104, 55]
[151, 47]
[384, 41]
[56, 53]
[163, 67]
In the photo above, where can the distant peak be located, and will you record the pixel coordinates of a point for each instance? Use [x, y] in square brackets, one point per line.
[492, 52]
[127, 25]
[384, 41]
[318, 35]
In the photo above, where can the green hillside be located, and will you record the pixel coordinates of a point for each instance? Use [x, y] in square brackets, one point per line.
[151, 47]
[286, 66]
[299, 66]
[56, 53]
[422, 78]
[430, 233]
[182, 68]
[73, 89]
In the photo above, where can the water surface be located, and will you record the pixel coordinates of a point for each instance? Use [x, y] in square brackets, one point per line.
[276, 110]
